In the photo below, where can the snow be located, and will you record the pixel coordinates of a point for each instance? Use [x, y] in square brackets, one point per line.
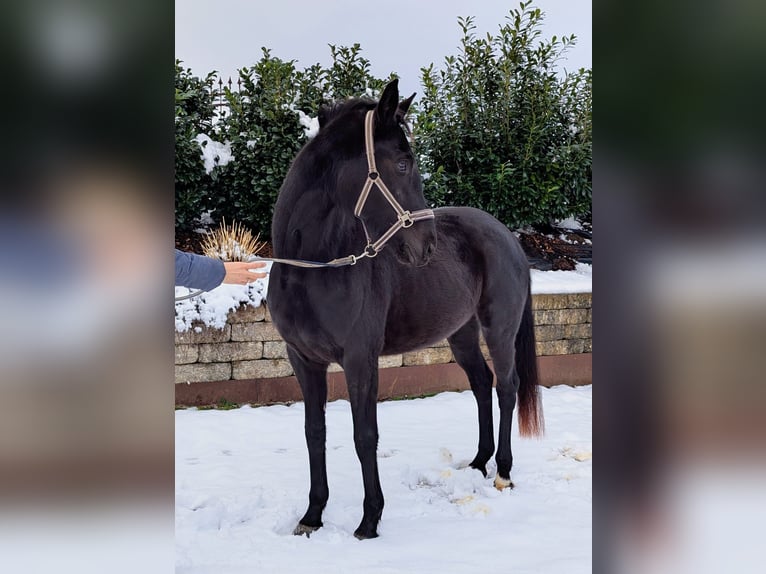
[242, 481]
[578, 281]
[211, 307]
[569, 223]
[310, 125]
[213, 153]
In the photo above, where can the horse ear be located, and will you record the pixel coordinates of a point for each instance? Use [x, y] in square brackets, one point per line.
[403, 107]
[389, 101]
[324, 112]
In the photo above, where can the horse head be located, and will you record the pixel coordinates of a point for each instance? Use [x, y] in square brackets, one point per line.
[378, 179]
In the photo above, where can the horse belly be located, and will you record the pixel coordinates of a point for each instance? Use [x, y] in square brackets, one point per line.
[418, 321]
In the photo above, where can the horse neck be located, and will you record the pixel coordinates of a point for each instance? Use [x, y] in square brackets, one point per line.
[308, 224]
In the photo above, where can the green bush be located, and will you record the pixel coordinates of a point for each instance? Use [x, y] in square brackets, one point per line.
[499, 130]
[496, 128]
[193, 115]
[265, 135]
[262, 126]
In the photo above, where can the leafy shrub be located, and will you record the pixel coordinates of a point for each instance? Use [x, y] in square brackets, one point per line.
[193, 115]
[265, 135]
[265, 127]
[496, 128]
[499, 130]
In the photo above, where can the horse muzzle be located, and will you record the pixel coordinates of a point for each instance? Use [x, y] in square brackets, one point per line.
[416, 253]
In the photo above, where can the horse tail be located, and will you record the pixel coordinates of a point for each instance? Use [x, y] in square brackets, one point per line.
[530, 408]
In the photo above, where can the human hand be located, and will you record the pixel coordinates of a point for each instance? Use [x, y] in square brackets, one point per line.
[238, 273]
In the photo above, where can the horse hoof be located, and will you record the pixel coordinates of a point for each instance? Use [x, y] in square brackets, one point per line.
[502, 483]
[302, 529]
[480, 467]
[365, 533]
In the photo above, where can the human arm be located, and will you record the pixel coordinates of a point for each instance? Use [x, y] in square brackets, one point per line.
[198, 272]
[206, 273]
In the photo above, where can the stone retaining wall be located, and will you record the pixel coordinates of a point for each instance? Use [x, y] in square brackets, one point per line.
[249, 347]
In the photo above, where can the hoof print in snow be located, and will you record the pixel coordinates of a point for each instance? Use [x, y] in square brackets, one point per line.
[302, 529]
[503, 483]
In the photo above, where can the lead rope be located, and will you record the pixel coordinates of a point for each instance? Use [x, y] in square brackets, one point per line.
[404, 219]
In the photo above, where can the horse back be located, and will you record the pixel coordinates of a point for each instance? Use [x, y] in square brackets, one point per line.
[477, 261]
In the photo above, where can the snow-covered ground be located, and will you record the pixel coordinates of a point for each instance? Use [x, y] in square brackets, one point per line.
[242, 481]
[578, 281]
[211, 308]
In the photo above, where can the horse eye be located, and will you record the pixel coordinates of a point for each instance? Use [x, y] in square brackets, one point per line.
[402, 165]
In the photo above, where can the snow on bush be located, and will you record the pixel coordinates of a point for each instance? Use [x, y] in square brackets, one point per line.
[213, 153]
[310, 125]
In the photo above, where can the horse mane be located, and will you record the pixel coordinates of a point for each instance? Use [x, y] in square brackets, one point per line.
[333, 110]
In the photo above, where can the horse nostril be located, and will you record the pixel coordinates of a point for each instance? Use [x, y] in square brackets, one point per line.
[430, 250]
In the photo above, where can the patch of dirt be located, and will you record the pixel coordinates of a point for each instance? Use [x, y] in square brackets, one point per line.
[189, 241]
[553, 249]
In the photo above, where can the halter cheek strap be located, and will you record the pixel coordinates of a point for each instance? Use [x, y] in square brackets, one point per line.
[404, 218]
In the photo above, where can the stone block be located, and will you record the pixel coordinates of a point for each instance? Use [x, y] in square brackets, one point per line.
[233, 351]
[203, 334]
[247, 314]
[186, 354]
[390, 361]
[579, 300]
[268, 313]
[254, 332]
[274, 350]
[560, 316]
[579, 331]
[551, 301]
[550, 332]
[261, 369]
[589, 316]
[557, 347]
[562, 347]
[428, 356]
[203, 372]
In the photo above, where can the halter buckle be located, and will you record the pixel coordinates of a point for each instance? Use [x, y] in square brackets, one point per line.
[370, 250]
[406, 219]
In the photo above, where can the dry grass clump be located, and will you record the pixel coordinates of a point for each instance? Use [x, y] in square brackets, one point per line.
[232, 243]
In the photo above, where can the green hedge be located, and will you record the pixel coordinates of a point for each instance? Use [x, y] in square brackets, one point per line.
[495, 128]
[499, 130]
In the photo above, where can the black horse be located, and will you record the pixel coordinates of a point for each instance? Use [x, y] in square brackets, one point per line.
[450, 276]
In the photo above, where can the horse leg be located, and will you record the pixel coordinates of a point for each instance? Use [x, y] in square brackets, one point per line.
[465, 347]
[503, 353]
[312, 378]
[362, 380]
